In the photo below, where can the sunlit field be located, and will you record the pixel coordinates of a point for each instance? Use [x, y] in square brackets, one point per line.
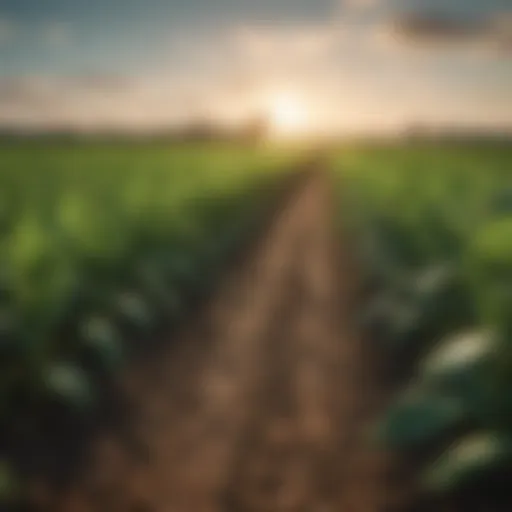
[101, 243]
[106, 248]
[432, 226]
[255, 256]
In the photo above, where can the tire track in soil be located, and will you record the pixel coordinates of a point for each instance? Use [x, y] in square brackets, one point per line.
[263, 404]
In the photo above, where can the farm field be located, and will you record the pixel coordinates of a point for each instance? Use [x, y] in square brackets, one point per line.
[102, 245]
[255, 256]
[365, 333]
[433, 231]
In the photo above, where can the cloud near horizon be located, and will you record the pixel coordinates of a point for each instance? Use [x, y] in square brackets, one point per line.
[493, 32]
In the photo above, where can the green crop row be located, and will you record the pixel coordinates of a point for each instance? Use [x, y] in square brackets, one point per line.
[101, 245]
[433, 231]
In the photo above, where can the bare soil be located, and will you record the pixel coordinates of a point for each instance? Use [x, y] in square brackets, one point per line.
[264, 403]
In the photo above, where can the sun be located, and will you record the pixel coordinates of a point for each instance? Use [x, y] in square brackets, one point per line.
[288, 115]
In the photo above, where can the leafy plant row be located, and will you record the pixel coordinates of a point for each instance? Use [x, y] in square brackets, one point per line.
[435, 243]
[99, 248]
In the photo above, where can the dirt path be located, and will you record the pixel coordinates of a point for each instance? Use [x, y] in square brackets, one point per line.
[263, 405]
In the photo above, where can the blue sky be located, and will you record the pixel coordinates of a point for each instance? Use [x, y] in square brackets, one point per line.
[145, 62]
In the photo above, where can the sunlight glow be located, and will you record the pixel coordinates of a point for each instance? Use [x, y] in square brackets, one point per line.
[288, 115]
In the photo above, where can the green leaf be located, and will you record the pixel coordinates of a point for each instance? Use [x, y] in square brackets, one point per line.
[101, 335]
[135, 310]
[418, 418]
[434, 282]
[405, 322]
[152, 279]
[493, 243]
[69, 385]
[459, 356]
[393, 318]
[471, 459]
[442, 296]
[502, 202]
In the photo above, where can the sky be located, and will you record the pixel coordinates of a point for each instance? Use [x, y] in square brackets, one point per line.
[318, 65]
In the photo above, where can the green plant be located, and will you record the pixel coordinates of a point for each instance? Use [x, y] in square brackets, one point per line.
[100, 245]
[434, 225]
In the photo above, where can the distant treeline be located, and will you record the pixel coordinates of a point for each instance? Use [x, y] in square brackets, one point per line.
[250, 132]
[458, 134]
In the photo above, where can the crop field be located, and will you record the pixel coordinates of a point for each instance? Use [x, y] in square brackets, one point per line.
[106, 248]
[100, 243]
[433, 231]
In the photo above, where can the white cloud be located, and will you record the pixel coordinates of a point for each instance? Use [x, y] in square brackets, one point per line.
[480, 36]
[360, 4]
[288, 44]
[358, 7]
